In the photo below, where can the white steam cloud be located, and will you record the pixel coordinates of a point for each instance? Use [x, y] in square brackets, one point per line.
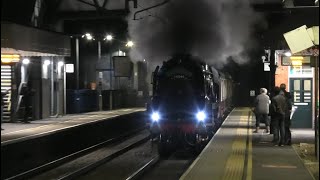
[214, 30]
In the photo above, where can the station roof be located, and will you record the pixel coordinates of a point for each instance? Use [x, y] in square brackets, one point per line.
[30, 41]
[98, 16]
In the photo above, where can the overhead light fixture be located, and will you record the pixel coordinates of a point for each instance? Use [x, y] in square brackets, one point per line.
[296, 58]
[25, 61]
[60, 63]
[129, 44]
[296, 63]
[108, 37]
[88, 36]
[288, 54]
[46, 62]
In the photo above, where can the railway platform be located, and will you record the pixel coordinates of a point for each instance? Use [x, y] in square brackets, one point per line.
[235, 152]
[26, 147]
[17, 131]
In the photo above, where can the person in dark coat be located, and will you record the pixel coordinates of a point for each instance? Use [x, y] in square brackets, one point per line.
[271, 95]
[278, 108]
[27, 93]
[287, 119]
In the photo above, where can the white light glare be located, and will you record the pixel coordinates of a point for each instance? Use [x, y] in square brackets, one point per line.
[25, 61]
[288, 54]
[155, 116]
[60, 63]
[88, 36]
[46, 62]
[201, 116]
[108, 38]
[129, 44]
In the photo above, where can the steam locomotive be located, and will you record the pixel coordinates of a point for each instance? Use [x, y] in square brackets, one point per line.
[188, 102]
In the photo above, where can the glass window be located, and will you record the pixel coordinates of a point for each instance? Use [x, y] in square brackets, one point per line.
[299, 70]
[307, 85]
[306, 70]
[296, 85]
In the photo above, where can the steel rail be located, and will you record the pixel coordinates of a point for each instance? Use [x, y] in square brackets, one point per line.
[144, 168]
[55, 163]
[92, 166]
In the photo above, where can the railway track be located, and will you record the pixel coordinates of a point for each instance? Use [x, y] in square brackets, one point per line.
[170, 168]
[131, 156]
[50, 170]
[142, 162]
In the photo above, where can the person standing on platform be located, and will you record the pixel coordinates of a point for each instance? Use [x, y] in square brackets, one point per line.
[271, 95]
[27, 93]
[287, 120]
[278, 108]
[261, 110]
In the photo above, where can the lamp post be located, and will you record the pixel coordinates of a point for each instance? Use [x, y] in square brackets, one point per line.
[316, 112]
[107, 38]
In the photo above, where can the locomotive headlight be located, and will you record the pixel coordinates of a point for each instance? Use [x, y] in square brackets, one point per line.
[155, 116]
[201, 116]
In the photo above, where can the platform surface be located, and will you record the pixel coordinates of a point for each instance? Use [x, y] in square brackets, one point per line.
[15, 132]
[235, 152]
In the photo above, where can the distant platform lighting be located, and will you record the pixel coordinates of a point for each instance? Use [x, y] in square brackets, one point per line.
[60, 63]
[129, 44]
[46, 62]
[288, 54]
[25, 61]
[88, 36]
[108, 38]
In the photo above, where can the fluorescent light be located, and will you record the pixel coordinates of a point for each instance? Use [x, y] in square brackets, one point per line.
[296, 63]
[296, 58]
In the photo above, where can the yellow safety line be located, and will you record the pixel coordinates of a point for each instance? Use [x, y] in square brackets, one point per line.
[249, 165]
[235, 164]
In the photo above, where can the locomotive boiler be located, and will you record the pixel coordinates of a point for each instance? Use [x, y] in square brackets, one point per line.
[184, 106]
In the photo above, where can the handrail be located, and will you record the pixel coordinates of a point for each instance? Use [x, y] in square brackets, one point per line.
[9, 100]
[19, 97]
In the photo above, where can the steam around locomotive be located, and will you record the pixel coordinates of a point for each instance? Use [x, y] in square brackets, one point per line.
[186, 104]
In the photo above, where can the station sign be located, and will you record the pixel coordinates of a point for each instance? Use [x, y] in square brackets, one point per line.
[252, 93]
[266, 66]
[122, 65]
[296, 60]
[69, 68]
